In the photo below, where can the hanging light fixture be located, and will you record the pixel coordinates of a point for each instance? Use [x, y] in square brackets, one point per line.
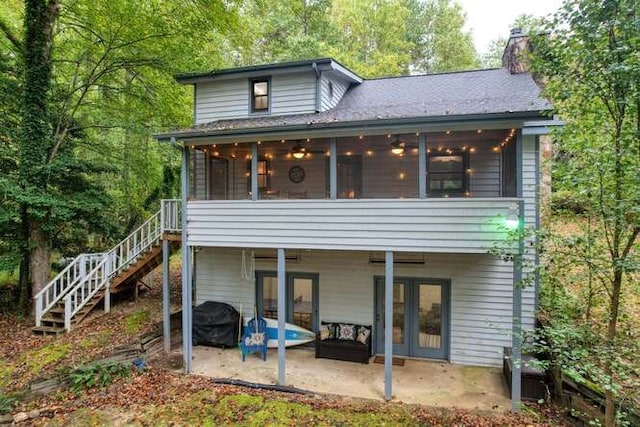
[298, 152]
[397, 146]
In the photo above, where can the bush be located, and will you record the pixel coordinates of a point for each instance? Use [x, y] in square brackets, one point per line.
[97, 375]
[7, 403]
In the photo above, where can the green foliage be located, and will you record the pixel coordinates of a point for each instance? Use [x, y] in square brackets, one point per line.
[591, 62]
[135, 321]
[7, 403]
[97, 375]
[256, 411]
[44, 356]
[8, 279]
[373, 37]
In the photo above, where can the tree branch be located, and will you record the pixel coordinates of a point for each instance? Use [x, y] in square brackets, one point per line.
[15, 41]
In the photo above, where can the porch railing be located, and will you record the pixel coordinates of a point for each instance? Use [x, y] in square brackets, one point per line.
[171, 215]
[89, 273]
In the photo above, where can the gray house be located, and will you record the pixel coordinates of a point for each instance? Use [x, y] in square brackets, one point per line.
[312, 192]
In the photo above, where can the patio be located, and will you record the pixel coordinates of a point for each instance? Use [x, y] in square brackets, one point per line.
[423, 382]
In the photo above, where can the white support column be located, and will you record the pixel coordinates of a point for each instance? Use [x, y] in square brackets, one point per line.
[281, 316]
[388, 325]
[186, 269]
[107, 297]
[166, 298]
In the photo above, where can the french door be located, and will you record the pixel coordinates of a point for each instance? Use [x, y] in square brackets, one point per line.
[420, 317]
[301, 298]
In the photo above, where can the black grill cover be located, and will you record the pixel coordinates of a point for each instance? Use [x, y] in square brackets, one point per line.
[215, 324]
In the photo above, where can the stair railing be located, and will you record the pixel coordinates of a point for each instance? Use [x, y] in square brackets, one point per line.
[55, 290]
[86, 289]
[136, 243]
[89, 273]
[113, 262]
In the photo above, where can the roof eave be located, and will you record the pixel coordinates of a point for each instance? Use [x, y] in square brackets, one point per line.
[283, 67]
[439, 121]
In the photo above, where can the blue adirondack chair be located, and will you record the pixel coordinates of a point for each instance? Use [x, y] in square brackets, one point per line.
[254, 339]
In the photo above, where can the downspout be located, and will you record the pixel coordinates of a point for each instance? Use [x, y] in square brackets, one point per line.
[318, 84]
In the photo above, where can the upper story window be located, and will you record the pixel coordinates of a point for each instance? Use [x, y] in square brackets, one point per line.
[447, 173]
[260, 95]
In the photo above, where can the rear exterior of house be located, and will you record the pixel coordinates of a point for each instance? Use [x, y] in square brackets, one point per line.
[312, 192]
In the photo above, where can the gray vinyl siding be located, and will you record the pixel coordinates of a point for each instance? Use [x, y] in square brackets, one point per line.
[293, 93]
[340, 86]
[431, 225]
[480, 292]
[229, 99]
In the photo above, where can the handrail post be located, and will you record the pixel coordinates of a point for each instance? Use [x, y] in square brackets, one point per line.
[107, 297]
[162, 224]
[82, 270]
[39, 310]
[67, 313]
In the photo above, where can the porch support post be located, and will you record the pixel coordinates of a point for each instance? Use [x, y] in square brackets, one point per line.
[187, 308]
[422, 166]
[388, 322]
[166, 315]
[281, 317]
[254, 171]
[516, 345]
[333, 169]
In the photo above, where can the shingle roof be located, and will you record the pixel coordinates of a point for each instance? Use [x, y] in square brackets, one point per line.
[469, 93]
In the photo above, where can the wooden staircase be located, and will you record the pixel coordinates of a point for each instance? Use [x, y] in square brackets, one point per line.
[91, 278]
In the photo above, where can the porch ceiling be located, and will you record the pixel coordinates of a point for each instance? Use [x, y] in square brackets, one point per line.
[434, 383]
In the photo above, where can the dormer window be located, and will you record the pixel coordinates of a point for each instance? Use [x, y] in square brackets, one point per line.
[260, 95]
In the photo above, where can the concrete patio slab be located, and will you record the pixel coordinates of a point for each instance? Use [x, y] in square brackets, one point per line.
[422, 382]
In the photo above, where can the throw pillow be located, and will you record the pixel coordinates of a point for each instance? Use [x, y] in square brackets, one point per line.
[347, 332]
[325, 332]
[363, 334]
[332, 329]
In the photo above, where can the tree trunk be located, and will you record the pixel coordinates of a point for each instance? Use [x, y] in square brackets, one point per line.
[40, 257]
[25, 256]
[36, 136]
[610, 408]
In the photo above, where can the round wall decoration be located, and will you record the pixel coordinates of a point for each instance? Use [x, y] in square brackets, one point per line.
[296, 174]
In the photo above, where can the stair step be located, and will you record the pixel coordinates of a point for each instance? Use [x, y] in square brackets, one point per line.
[48, 330]
[48, 321]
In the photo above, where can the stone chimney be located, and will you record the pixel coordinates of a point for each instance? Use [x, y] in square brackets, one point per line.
[515, 57]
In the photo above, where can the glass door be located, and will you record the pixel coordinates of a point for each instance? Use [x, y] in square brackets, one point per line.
[400, 317]
[302, 290]
[430, 320]
[420, 317]
[301, 294]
